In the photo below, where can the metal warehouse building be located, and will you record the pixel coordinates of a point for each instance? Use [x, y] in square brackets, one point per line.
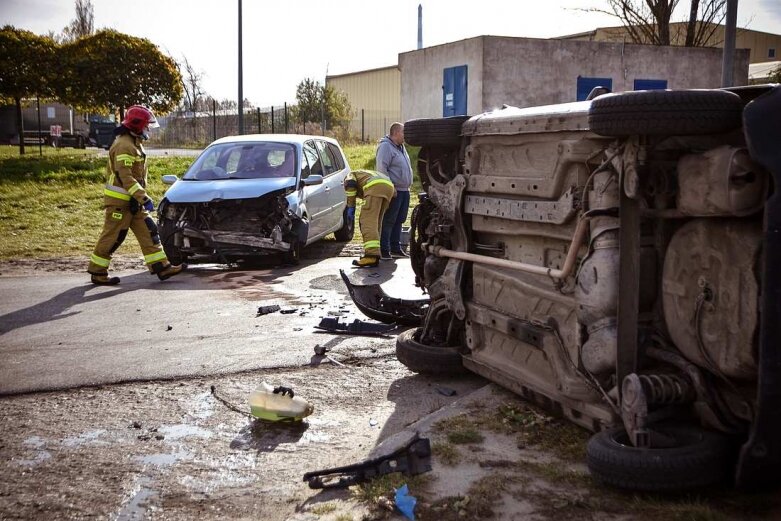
[375, 97]
[478, 74]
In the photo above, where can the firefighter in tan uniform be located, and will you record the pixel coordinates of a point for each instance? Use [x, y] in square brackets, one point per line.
[127, 203]
[377, 190]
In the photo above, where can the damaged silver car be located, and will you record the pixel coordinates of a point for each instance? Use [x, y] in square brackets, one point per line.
[256, 195]
[617, 262]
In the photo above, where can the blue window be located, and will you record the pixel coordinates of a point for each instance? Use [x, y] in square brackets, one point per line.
[650, 84]
[454, 87]
[586, 84]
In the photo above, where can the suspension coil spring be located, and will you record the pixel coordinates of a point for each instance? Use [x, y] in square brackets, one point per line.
[665, 389]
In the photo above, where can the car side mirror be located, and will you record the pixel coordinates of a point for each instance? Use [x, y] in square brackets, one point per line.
[169, 179]
[312, 180]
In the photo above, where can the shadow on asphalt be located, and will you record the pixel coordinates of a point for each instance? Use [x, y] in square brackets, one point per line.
[59, 306]
[263, 437]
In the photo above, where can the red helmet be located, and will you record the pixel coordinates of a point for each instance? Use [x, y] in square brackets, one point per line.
[139, 119]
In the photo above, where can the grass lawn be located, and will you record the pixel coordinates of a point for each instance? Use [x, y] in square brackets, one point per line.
[53, 206]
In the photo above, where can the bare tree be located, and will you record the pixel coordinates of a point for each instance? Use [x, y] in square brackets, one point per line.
[651, 21]
[83, 24]
[192, 80]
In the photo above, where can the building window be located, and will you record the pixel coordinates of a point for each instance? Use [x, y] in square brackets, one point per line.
[771, 53]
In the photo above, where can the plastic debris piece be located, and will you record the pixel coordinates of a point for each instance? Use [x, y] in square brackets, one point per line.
[372, 422]
[169, 328]
[288, 311]
[446, 391]
[406, 503]
[357, 327]
[265, 310]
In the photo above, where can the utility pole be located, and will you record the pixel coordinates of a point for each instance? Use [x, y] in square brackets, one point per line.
[728, 59]
[241, 81]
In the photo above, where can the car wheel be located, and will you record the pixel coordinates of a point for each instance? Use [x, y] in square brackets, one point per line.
[167, 230]
[673, 112]
[444, 132]
[347, 231]
[697, 458]
[425, 359]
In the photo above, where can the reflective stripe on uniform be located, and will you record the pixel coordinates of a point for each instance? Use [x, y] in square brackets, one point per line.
[155, 257]
[134, 188]
[100, 261]
[127, 159]
[351, 193]
[371, 244]
[116, 193]
[377, 182]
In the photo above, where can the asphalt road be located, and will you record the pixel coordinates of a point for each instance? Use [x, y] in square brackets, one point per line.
[58, 331]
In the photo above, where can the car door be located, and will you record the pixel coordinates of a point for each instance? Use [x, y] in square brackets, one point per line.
[334, 181]
[315, 197]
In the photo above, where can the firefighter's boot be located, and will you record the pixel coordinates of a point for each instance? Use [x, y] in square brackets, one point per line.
[367, 261]
[168, 271]
[104, 280]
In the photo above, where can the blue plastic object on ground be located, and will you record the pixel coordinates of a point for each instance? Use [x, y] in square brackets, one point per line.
[406, 503]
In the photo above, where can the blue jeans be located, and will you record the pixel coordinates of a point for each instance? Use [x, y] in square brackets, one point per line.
[395, 216]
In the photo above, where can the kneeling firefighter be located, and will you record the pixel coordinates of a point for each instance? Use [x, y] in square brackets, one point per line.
[127, 203]
[377, 190]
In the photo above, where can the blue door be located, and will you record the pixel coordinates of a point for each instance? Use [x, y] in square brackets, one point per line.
[586, 84]
[650, 84]
[454, 85]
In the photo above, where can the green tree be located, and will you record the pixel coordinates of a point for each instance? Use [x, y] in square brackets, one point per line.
[111, 71]
[315, 102]
[308, 101]
[27, 64]
[775, 76]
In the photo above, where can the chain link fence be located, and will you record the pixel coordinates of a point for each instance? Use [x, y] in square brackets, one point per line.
[198, 129]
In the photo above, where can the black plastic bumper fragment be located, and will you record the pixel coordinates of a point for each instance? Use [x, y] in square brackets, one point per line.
[357, 327]
[411, 460]
[376, 304]
[760, 456]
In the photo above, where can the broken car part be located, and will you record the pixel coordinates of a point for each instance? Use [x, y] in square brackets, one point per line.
[356, 327]
[411, 460]
[373, 302]
[265, 310]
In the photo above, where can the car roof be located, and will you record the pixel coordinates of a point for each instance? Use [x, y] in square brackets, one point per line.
[296, 139]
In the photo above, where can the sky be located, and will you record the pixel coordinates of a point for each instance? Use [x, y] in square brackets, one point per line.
[286, 41]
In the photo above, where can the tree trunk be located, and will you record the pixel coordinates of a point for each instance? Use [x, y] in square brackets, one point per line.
[20, 124]
[691, 28]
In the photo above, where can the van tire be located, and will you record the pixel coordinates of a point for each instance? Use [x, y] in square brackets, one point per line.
[665, 112]
[701, 458]
[425, 359]
[445, 132]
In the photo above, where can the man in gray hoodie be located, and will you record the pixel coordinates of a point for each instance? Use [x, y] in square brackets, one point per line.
[393, 160]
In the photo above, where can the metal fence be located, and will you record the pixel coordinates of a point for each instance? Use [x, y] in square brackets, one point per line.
[201, 128]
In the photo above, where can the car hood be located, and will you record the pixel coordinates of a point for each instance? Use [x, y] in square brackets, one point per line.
[205, 191]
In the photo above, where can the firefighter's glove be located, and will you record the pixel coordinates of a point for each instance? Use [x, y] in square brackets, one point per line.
[351, 213]
[149, 205]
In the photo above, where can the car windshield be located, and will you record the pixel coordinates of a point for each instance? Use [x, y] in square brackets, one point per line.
[244, 161]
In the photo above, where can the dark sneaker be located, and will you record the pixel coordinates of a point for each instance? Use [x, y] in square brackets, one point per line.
[170, 270]
[399, 254]
[367, 261]
[385, 255]
[104, 280]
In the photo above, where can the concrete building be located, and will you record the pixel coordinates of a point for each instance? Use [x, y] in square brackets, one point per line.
[375, 98]
[478, 74]
[764, 47]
